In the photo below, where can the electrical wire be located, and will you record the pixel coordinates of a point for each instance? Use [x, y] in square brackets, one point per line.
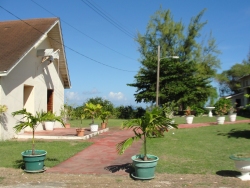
[106, 17]
[67, 46]
[81, 31]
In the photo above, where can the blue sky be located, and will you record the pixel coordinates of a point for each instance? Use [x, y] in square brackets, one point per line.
[107, 58]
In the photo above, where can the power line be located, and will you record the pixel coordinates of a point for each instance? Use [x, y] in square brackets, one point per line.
[102, 14]
[81, 31]
[65, 45]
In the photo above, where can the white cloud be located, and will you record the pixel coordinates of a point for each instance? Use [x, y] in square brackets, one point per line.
[76, 98]
[73, 98]
[71, 95]
[117, 96]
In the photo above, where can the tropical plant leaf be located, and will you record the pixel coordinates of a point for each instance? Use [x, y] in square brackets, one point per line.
[122, 146]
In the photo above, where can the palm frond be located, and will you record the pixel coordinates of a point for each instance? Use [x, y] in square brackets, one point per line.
[122, 146]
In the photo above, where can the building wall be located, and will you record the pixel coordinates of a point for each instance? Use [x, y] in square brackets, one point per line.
[245, 84]
[239, 99]
[26, 86]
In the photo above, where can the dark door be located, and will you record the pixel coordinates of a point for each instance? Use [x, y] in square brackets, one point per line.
[50, 93]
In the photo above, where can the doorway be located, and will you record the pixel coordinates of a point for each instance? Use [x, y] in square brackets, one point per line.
[50, 94]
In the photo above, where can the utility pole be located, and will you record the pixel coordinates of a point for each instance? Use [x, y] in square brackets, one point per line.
[158, 72]
[158, 76]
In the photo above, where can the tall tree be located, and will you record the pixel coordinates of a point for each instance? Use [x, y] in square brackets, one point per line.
[228, 79]
[186, 80]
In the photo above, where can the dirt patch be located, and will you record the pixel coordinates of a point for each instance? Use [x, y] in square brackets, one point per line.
[15, 178]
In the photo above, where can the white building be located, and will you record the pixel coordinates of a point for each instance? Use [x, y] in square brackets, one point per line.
[239, 98]
[33, 69]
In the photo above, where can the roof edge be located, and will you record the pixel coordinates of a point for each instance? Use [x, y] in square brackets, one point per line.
[42, 37]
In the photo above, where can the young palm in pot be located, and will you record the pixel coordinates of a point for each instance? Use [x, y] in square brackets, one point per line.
[93, 111]
[33, 159]
[150, 125]
[104, 115]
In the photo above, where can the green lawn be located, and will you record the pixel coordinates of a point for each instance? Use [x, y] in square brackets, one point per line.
[204, 119]
[85, 123]
[57, 151]
[118, 122]
[203, 150]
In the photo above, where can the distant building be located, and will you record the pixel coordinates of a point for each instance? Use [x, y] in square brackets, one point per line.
[239, 98]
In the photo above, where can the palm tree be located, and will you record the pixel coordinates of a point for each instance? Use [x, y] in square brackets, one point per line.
[29, 120]
[152, 124]
[92, 110]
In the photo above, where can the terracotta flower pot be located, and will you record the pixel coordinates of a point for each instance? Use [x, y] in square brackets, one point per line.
[67, 125]
[103, 125]
[80, 132]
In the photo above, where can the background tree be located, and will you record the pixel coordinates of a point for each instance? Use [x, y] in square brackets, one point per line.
[106, 104]
[228, 79]
[186, 80]
[139, 111]
[79, 112]
[124, 112]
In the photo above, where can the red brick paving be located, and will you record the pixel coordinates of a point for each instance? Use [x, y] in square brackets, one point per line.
[101, 156]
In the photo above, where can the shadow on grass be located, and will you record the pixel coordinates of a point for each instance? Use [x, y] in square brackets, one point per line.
[237, 134]
[19, 164]
[115, 168]
[228, 173]
[51, 159]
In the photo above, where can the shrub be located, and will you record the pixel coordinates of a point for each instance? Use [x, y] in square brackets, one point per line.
[222, 106]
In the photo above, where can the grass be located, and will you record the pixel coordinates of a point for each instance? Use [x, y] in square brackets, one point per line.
[57, 151]
[204, 119]
[112, 123]
[86, 122]
[203, 150]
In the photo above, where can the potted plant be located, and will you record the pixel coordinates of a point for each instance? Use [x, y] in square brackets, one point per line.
[149, 125]
[222, 106]
[49, 119]
[170, 108]
[104, 115]
[80, 130]
[33, 159]
[189, 116]
[242, 163]
[232, 113]
[65, 114]
[92, 110]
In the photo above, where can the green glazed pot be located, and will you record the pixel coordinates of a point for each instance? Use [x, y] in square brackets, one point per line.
[144, 169]
[34, 163]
